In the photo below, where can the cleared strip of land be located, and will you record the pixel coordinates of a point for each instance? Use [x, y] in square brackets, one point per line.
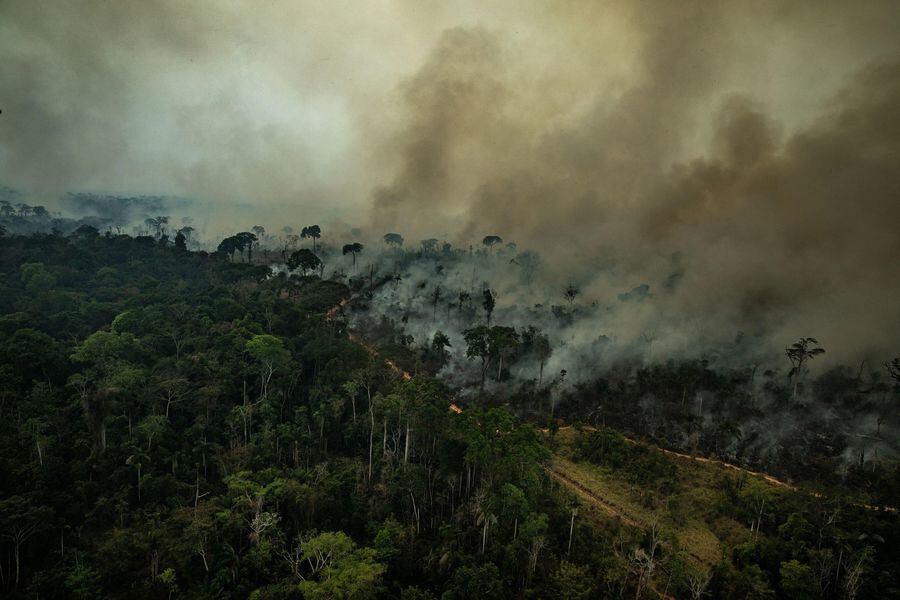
[607, 492]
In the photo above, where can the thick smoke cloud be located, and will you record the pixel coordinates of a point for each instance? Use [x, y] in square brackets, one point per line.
[780, 224]
[739, 158]
[220, 103]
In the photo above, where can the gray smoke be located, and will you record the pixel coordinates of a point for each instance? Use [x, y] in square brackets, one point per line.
[740, 159]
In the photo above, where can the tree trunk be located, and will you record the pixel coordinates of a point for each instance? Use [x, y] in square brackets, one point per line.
[371, 436]
[17, 545]
[415, 510]
[406, 445]
[202, 553]
[571, 531]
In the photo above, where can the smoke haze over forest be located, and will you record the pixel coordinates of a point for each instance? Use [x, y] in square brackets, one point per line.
[450, 299]
[741, 159]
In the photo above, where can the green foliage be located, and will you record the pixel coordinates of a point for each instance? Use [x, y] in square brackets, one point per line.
[643, 467]
[340, 570]
[506, 452]
[416, 593]
[572, 582]
[83, 581]
[178, 424]
[493, 345]
[476, 582]
[751, 583]
[390, 538]
[37, 278]
[304, 260]
[104, 348]
[797, 580]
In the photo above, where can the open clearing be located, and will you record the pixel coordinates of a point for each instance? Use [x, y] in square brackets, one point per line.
[698, 533]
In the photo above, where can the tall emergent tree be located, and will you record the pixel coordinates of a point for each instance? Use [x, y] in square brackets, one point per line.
[313, 232]
[799, 353]
[237, 243]
[393, 239]
[352, 249]
[489, 302]
[491, 240]
[270, 353]
[478, 345]
[537, 344]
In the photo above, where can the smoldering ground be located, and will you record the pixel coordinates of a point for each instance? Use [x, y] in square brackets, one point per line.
[601, 351]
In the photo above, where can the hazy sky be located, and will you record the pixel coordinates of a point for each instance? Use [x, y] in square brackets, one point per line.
[316, 102]
[760, 141]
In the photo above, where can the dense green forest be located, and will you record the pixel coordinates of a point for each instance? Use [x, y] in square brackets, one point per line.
[181, 424]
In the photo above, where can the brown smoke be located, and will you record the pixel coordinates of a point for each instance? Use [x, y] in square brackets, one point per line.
[752, 146]
[784, 225]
